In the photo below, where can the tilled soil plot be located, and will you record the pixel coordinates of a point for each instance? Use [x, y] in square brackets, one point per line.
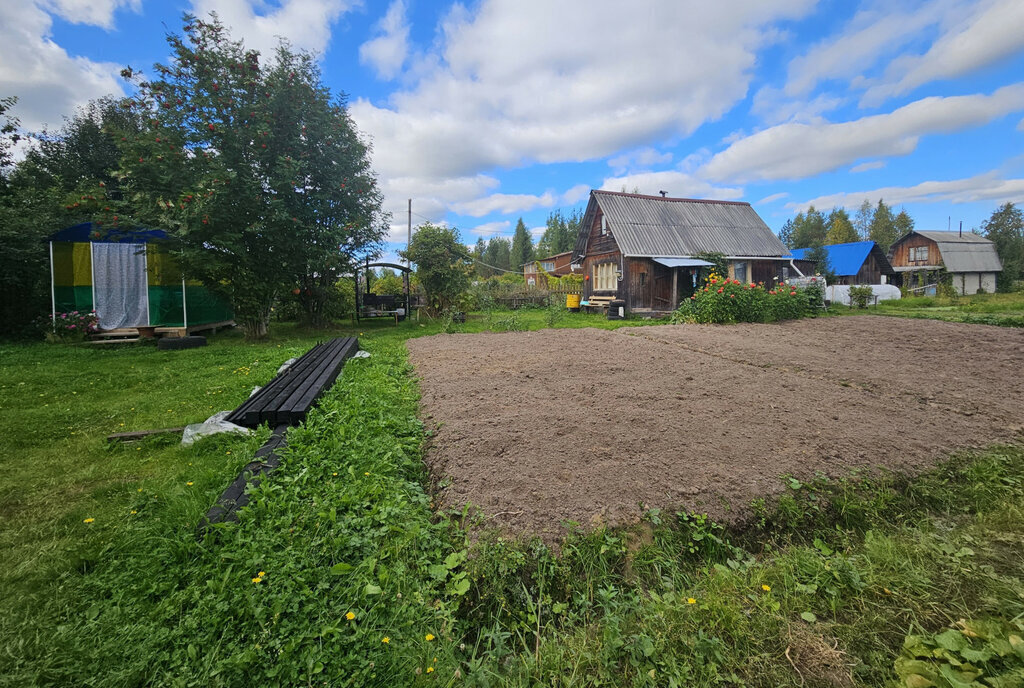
[592, 426]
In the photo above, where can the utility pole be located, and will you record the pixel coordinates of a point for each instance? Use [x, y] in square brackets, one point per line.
[408, 243]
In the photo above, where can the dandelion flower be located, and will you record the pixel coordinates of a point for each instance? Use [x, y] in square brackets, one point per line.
[350, 616]
[690, 600]
[429, 637]
[134, 511]
[334, 474]
[386, 640]
[261, 574]
[430, 669]
[89, 520]
[766, 588]
[257, 579]
[189, 483]
[367, 473]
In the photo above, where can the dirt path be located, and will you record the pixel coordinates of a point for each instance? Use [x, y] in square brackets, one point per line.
[544, 427]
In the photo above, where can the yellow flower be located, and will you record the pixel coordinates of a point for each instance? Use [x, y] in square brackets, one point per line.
[334, 474]
[430, 669]
[89, 520]
[189, 483]
[429, 637]
[140, 489]
[134, 511]
[257, 579]
[435, 660]
[385, 640]
[261, 574]
[350, 616]
[367, 473]
[766, 588]
[690, 600]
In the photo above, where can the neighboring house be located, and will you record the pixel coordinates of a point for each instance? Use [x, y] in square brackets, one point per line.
[921, 256]
[860, 262]
[643, 249]
[557, 265]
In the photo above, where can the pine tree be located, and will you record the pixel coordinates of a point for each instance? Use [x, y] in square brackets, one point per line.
[883, 227]
[522, 246]
[786, 233]
[904, 224]
[809, 229]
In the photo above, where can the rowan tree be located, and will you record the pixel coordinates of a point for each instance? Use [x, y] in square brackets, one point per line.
[1005, 229]
[255, 171]
[442, 265]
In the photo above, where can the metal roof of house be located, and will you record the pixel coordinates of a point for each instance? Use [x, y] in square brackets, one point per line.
[847, 259]
[649, 226]
[967, 252]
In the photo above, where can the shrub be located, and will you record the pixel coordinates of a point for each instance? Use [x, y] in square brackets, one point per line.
[72, 326]
[860, 295]
[730, 301]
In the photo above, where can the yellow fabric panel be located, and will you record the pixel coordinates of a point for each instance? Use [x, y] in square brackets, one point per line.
[163, 269]
[72, 264]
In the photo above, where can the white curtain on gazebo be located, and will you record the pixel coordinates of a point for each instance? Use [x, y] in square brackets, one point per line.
[120, 285]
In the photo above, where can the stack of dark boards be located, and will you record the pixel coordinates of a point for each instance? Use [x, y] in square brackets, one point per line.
[287, 398]
[283, 402]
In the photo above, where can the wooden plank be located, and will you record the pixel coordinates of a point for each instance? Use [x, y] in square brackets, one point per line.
[296, 408]
[248, 413]
[300, 379]
[136, 435]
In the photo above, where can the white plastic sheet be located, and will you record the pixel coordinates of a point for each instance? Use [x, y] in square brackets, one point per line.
[840, 293]
[214, 425]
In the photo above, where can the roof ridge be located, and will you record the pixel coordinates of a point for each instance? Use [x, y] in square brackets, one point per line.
[668, 198]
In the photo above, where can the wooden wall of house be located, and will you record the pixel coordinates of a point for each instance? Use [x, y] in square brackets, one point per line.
[764, 270]
[870, 272]
[901, 251]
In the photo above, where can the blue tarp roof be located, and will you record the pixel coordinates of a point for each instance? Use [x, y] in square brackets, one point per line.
[844, 259]
[87, 232]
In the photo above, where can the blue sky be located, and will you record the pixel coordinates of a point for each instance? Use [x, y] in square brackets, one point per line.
[484, 112]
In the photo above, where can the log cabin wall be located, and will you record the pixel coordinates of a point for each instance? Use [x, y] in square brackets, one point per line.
[601, 249]
[901, 252]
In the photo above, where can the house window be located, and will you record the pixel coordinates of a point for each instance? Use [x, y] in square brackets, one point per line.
[604, 277]
[548, 266]
[919, 253]
[740, 270]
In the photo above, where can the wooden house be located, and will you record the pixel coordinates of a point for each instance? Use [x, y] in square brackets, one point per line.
[644, 249]
[859, 262]
[921, 257]
[557, 265]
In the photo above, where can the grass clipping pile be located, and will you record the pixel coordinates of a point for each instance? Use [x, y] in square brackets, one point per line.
[590, 426]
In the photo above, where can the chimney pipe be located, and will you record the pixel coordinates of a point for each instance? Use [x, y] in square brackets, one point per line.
[961, 228]
[663, 193]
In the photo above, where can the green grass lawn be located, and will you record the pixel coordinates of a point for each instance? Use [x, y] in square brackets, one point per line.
[1006, 310]
[341, 573]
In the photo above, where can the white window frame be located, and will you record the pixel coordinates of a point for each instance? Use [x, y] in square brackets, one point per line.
[604, 277]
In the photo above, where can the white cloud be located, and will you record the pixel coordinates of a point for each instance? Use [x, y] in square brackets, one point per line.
[774, 197]
[642, 157]
[504, 86]
[982, 187]
[873, 32]
[489, 229]
[306, 24]
[1020, 125]
[387, 51]
[92, 12]
[538, 232]
[866, 166]
[504, 203]
[678, 184]
[797, 151]
[48, 82]
[992, 33]
[773, 106]
[576, 194]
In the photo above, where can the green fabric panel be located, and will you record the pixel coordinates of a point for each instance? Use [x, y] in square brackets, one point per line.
[72, 264]
[165, 306]
[72, 298]
[205, 307]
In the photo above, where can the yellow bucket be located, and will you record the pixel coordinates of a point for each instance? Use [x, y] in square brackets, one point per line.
[572, 301]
